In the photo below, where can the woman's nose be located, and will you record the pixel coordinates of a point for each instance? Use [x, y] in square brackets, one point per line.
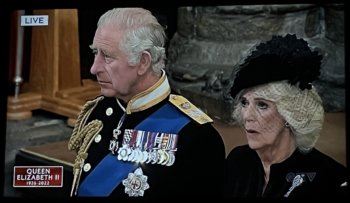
[248, 113]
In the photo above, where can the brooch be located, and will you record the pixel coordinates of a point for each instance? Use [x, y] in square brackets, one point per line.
[136, 183]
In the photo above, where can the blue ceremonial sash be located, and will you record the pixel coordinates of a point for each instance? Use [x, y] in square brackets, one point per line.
[110, 172]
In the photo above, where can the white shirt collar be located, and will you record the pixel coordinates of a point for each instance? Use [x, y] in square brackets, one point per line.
[150, 97]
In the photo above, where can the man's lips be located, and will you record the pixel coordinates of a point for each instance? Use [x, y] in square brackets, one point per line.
[101, 82]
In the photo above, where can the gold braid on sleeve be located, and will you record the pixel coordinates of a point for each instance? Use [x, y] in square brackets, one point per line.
[77, 136]
[90, 131]
[81, 139]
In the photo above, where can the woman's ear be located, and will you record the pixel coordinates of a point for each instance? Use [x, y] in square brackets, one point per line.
[145, 62]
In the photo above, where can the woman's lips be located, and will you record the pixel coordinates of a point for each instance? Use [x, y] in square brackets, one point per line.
[250, 131]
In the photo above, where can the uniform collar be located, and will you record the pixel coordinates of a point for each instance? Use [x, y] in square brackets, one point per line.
[150, 97]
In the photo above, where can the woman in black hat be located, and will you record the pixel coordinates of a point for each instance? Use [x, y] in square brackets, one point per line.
[282, 116]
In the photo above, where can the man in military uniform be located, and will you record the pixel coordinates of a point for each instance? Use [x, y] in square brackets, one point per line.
[139, 139]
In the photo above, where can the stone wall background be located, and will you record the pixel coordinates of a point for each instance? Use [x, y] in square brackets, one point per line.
[209, 41]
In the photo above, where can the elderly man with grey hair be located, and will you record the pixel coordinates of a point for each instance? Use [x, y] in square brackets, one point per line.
[139, 138]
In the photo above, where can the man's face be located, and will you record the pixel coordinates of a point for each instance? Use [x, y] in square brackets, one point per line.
[114, 75]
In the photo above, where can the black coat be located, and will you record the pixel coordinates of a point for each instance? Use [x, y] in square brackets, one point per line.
[322, 176]
[199, 165]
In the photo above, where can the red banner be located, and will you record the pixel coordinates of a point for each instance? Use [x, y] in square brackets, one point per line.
[38, 176]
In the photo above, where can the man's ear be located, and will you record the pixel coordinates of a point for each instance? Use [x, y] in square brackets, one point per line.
[145, 62]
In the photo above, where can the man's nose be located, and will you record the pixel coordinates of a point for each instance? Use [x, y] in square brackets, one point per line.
[98, 64]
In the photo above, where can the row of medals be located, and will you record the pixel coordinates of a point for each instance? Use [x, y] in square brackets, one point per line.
[145, 147]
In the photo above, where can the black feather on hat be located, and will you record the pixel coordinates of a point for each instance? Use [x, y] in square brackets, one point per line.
[281, 58]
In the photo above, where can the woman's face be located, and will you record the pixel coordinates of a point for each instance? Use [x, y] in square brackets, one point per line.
[263, 125]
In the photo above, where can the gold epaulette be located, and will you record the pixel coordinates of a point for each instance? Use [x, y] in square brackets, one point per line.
[189, 109]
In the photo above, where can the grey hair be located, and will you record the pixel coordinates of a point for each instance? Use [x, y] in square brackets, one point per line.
[302, 109]
[142, 33]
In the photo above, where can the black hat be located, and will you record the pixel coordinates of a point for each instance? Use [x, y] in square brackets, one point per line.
[281, 58]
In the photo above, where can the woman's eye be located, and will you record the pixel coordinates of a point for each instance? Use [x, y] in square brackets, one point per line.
[262, 105]
[244, 102]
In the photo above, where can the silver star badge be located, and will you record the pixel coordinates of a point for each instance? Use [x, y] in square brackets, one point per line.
[136, 183]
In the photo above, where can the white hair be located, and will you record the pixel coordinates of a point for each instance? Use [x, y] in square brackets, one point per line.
[142, 33]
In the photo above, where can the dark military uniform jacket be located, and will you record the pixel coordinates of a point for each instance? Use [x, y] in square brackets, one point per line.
[191, 162]
[315, 175]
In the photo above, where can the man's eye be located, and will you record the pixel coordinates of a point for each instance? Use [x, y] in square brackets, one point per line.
[108, 58]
